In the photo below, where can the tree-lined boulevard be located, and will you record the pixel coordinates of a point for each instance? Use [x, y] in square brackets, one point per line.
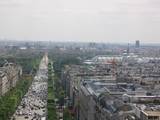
[33, 104]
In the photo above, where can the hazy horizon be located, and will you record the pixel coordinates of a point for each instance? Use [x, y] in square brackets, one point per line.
[116, 21]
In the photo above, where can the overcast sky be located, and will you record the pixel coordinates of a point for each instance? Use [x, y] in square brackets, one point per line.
[81, 20]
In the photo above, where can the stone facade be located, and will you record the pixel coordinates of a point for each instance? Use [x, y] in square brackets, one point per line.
[9, 75]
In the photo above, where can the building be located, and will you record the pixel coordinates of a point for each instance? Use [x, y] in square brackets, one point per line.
[150, 115]
[9, 75]
[137, 45]
[111, 88]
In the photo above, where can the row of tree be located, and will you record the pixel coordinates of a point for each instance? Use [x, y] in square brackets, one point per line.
[10, 101]
[51, 94]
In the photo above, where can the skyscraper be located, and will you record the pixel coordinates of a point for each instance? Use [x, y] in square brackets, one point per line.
[128, 49]
[137, 45]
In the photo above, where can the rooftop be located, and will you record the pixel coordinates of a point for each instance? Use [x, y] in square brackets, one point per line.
[152, 113]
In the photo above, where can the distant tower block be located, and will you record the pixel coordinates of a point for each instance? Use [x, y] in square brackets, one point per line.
[137, 44]
[128, 49]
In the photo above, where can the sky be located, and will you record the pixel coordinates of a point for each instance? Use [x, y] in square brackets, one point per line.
[81, 20]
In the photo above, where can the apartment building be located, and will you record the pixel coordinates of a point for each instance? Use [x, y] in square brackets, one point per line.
[9, 75]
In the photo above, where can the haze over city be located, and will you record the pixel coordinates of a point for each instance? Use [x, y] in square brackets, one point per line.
[81, 20]
[79, 60]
